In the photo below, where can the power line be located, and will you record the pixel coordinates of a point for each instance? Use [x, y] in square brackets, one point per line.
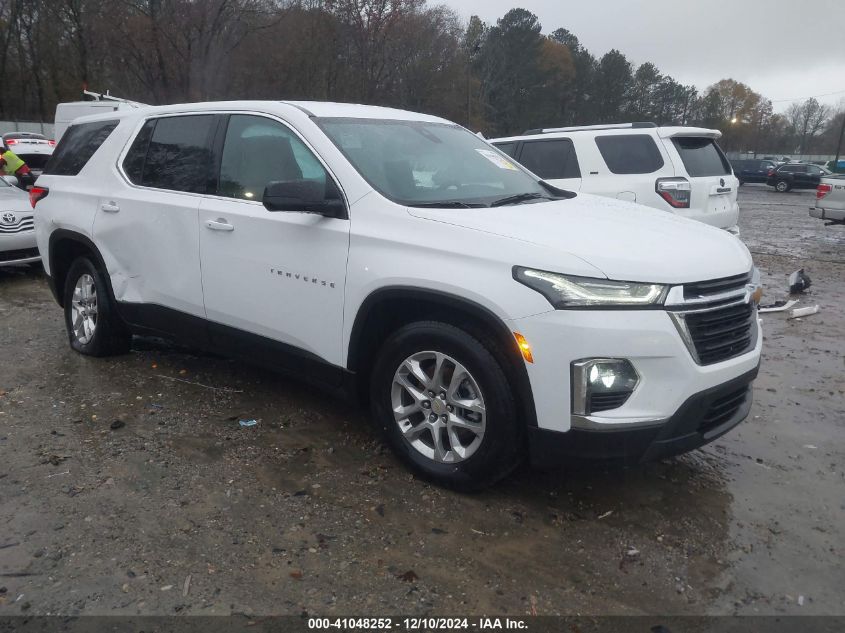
[827, 94]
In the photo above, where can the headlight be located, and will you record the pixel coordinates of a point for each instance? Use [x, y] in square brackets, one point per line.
[566, 291]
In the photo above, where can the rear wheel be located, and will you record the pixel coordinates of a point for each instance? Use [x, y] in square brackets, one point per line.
[445, 406]
[94, 328]
[782, 186]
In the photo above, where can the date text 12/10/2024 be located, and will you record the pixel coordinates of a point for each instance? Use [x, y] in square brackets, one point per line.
[416, 624]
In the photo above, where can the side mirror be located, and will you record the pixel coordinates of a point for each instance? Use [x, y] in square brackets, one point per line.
[304, 196]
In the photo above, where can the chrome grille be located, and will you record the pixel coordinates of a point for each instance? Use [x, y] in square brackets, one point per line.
[23, 224]
[717, 319]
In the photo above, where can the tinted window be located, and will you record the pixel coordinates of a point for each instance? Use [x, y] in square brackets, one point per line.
[258, 151]
[133, 164]
[554, 158]
[630, 154]
[179, 155]
[701, 156]
[507, 148]
[813, 169]
[793, 169]
[77, 147]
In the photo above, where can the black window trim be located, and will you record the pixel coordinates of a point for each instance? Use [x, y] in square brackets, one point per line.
[218, 137]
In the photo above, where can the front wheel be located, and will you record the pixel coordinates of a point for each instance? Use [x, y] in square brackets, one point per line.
[782, 186]
[445, 405]
[94, 328]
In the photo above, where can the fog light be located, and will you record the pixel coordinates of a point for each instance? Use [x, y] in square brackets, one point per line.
[600, 384]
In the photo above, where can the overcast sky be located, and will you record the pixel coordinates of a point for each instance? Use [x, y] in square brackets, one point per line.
[783, 49]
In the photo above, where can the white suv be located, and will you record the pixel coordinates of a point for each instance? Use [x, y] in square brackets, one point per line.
[676, 169]
[397, 257]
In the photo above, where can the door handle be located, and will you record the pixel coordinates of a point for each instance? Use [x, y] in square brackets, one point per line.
[219, 225]
[110, 207]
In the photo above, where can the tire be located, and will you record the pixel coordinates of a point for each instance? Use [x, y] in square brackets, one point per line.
[94, 328]
[477, 447]
[781, 186]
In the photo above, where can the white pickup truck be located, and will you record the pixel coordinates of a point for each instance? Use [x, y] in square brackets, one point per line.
[830, 200]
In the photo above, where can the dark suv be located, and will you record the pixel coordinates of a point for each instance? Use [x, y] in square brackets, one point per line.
[752, 170]
[795, 176]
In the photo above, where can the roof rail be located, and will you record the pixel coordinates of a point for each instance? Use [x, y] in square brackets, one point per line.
[611, 126]
[97, 96]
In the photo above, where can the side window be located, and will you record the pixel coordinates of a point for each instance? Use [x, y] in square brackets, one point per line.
[813, 169]
[133, 164]
[77, 147]
[507, 148]
[553, 158]
[257, 151]
[178, 156]
[630, 153]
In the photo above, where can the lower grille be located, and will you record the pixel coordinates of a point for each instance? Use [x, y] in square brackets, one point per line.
[723, 409]
[722, 333]
[23, 253]
[607, 401]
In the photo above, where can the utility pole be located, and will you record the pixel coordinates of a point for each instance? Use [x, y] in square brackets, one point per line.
[839, 145]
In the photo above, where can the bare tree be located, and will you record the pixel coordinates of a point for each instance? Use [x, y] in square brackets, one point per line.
[807, 120]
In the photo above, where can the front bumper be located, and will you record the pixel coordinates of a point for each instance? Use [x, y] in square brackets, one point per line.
[701, 419]
[18, 248]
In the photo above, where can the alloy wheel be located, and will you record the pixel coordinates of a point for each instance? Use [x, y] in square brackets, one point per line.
[438, 407]
[83, 309]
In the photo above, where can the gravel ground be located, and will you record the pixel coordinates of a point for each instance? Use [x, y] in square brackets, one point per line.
[128, 487]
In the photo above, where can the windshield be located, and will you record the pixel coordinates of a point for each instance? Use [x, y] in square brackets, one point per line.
[417, 163]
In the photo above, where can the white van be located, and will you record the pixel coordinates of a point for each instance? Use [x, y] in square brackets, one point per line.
[677, 169]
[102, 104]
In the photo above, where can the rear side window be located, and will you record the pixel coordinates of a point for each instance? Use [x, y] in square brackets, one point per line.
[793, 169]
[507, 148]
[77, 147]
[173, 153]
[630, 153]
[553, 158]
[702, 157]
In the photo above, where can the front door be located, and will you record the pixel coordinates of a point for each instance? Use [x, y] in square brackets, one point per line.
[273, 281]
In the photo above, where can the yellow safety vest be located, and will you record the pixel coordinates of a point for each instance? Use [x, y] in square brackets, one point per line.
[13, 163]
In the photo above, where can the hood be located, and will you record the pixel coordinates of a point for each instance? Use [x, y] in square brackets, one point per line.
[626, 241]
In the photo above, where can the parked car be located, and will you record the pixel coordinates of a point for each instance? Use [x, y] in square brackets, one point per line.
[675, 169]
[17, 228]
[830, 200]
[795, 176]
[33, 149]
[396, 256]
[752, 169]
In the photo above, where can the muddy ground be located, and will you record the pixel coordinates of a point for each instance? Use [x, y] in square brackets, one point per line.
[181, 510]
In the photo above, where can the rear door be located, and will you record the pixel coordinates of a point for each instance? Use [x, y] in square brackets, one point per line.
[148, 228]
[713, 187]
[554, 160]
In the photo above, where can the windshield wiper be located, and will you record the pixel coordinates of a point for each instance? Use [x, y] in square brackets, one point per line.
[447, 204]
[520, 197]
